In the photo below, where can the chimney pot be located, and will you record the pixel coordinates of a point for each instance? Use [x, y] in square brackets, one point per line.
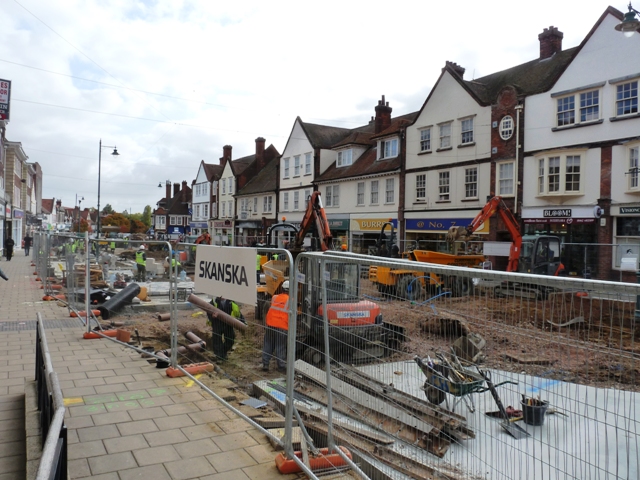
[456, 68]
[550, 42]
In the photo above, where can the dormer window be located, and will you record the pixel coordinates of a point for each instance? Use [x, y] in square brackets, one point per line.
[345, 158]
[388, 148]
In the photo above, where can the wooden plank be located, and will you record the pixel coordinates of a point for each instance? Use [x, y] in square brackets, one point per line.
[362, 398]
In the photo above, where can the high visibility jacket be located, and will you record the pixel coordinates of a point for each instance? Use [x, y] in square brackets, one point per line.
[258, 262]
[173, 263]
[278, 314]
[235, 311]
[140, 258]
[113, 245]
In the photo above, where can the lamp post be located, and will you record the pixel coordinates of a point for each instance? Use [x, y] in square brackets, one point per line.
[629, 23]
[115, 152]
[79, 203]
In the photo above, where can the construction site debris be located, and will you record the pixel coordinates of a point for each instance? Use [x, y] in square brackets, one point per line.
[116, 303]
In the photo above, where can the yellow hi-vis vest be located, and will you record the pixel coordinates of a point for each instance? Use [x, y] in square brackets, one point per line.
[140, 258]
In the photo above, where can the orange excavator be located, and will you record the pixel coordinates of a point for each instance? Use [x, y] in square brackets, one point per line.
[356, 330]
[537, 254]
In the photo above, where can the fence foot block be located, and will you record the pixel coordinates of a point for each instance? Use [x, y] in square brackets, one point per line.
[92, 335]
[193, 369]
[321, 462]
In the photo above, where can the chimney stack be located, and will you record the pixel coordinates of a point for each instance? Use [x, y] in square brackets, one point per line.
[176, 189]
[184, 192]
[550, 42]
[383, 115]
[168, 189]
[456, 68]
[226, 152]
[260, 163]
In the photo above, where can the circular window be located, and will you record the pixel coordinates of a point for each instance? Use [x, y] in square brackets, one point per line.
[506, 127]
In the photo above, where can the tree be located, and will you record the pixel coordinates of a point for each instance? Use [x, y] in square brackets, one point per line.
[117, 219]
[146, 216]
[84, 226]
[108, 209]
[137, 226]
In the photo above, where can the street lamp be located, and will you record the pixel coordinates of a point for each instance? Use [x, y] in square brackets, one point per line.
[629, 23]
[79, 205]
[115, 152]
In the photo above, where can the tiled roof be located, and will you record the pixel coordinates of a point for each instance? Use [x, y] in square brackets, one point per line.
[264, 181]
[323, 136]
[212, 171]
[238, 166]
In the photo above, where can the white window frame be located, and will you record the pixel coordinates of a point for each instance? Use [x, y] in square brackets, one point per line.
[231, 185]
[332, 196]
[266, 204]
[345, 158]
[425, 139]
[505, 178]
[471, 183]
[285, 202]
[205, 211]
[390, 191]
[506, 127]
[296, 200]
[307, 195]
[444, 130]
[388, 148]
[224, 186]
[255, 205]
[466, 131]
[421, 187]
[197, 211]
[307, 163]
[634, 165]
[444, 186]
[578, 108]
[360, 194]
[285, 168]
[557, 172]
[296, 165]
[374, 195]
[627, 98]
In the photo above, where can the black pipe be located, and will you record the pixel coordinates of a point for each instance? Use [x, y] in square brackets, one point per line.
[119, 300]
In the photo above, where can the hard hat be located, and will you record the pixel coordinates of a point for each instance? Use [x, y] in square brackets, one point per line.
[141, 247]
[285, 285]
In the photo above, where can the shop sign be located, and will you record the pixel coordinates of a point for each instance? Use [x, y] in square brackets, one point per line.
[5, 99]
[371, 224]
[442, 224]
[567, 220]
[7, 211]
[338, 224]
[2, 211]
[629, 210]
[556, 212]
[575, 214]
[18, 213]
[198, 224]
[222, 224]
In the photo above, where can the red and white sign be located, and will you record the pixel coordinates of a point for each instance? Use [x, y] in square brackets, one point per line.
[5, 98]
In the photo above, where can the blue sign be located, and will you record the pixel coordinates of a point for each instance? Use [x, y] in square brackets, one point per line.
[436, 224]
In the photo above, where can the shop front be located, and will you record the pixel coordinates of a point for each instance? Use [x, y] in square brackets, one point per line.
[198, 228]
[3, 218]
[223, 232]
[428, 231]
[339, 226]
[365, 231]
[16, 225]
[626, 237]
[577, 227]
[248, 233]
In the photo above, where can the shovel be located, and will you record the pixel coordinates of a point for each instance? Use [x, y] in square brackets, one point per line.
[516, 431]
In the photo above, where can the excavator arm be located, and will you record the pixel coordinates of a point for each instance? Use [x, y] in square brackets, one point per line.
[314, 215]
[496, 204]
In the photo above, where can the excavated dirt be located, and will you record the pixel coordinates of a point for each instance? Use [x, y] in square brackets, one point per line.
[601, 351]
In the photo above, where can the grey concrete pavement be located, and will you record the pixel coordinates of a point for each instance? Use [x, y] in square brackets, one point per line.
[125, 418]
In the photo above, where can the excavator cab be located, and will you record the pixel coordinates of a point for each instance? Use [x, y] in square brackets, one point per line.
[540, 255]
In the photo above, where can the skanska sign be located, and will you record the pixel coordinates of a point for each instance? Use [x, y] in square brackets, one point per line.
[228, 272]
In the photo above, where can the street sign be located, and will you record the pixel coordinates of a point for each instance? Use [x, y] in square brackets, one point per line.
[5, 99]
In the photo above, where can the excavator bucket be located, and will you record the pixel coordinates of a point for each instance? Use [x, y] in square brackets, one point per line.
[455, 233]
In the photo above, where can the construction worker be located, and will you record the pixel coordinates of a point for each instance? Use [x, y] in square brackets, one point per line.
[112, 245]
[223, 335]
[274, 256]
[141, 263]
[258, 267]
[275, 335]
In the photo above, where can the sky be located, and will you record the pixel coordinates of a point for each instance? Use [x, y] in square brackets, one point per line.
[170, 82]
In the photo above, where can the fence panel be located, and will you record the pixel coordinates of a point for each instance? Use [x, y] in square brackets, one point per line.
[413, 349]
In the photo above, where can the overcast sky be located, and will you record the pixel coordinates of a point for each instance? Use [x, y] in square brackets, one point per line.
[169, 82]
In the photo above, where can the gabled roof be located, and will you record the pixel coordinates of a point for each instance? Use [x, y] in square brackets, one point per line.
[323, 136]
[212, 171]
[367, 164]
[238, 166]
[47, 205]
[265, 181]
[176, 205]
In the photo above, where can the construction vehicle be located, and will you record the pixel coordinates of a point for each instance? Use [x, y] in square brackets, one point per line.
[415, 285]
[357, 332]
[536, 254]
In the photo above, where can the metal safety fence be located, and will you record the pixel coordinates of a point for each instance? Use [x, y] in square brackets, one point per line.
[451, 372]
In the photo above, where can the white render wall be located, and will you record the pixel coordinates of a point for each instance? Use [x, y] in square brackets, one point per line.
[349, 196]
[298, 144]
[607, 55]
[226, 197]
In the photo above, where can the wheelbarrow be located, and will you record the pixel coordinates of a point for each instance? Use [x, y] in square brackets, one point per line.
[443, 378]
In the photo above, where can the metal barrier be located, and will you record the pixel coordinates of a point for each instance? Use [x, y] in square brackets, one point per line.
[408, 391]
[53, 462]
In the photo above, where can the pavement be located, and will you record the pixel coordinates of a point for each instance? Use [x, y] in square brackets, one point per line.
[125, 418]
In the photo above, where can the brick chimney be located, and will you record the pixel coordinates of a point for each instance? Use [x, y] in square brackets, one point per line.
[456, 68]
[260, 163]
[184, 191]
[383, 115]
[550, 42]
[168, 188]
[226, 152]
[176, 189]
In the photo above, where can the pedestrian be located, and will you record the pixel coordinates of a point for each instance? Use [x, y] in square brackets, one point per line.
[8, 247]
[28, 241]
[223, 335]
[277, 325]
[141, 263]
